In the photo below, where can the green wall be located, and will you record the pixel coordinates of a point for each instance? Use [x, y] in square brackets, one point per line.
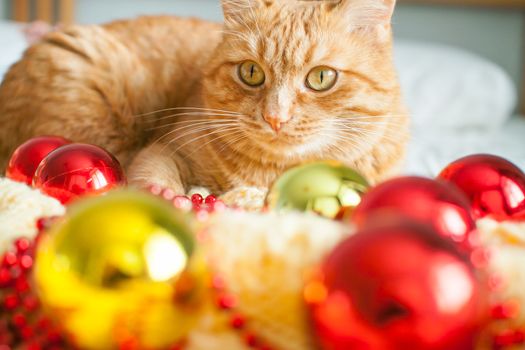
[3, 9]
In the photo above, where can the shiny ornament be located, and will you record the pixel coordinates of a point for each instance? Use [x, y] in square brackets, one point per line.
[495, 186]
[77, 170]
[326, 188]
[25, 160]
[121, 269]
[397, 286]
[436, 203]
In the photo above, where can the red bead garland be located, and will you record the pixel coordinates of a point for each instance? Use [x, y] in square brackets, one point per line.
[227, 303]
[501, 313]
[508, 338]
[196, 203]
[506, 310]
[21, 320]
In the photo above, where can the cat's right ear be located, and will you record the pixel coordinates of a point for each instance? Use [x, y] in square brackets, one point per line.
[235, 10]
[365, 12]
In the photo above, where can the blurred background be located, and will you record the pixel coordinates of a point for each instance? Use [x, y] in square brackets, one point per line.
[461, 64]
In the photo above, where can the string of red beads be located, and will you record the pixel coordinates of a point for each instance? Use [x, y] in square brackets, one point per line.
[504, 311]
[21, 320]
[227, 303]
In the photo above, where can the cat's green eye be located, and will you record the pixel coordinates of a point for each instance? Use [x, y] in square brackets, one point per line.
[251, 73]
[321, 78]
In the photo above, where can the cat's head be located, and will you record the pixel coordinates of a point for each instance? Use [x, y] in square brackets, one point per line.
[310, 79]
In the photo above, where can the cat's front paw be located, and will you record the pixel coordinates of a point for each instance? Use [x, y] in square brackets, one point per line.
[195, 201]
[246, 197]
[179, 201]
[164, 192]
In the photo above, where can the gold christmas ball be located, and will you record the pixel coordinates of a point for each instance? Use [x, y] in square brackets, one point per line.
[327, 188]
[121, 269]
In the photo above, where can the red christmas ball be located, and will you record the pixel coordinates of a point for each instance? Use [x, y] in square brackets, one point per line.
[495, 186]
[436, 203]
[76, 170]
[27, 157]
[400, 286]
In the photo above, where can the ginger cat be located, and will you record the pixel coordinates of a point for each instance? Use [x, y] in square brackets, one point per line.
[184, 102]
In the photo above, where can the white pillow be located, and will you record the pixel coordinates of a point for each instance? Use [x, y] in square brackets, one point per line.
[447, 86]
[12, 45]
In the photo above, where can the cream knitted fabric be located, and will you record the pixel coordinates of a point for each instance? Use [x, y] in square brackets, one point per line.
[20, 208]
[506, 244]
[262, 259]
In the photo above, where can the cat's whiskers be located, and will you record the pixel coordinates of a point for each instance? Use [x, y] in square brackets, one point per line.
[195, 124]
[196, 130]
[365, 126]
[334, 134]
[219, 130]
[218, 166]
[350, 117]
[327, 151]
[230, 133]
[357, 135]
[365, 134]
[232, 141]
[196, 109]
[336, 144]
[366, 121]
[190, 114]
[357, 123]
[190, 123]
[182, 118]
[213, 123]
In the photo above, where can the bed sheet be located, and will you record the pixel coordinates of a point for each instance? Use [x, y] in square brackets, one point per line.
[431, 149]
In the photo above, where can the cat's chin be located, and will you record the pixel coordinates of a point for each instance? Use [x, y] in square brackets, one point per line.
[280, 148]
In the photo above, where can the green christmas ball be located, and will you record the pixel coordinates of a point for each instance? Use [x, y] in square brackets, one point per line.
[327, 188]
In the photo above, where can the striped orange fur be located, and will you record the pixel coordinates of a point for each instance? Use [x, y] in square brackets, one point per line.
[164, 94]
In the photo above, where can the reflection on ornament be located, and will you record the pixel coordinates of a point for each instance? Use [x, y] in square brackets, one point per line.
[325, 188]
[436, 203]
[25, 160]
[399, 286]
[121, 268]
[495, 186]
[77, 170]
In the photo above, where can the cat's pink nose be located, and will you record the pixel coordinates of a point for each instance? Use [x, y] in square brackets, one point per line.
[275, 122]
